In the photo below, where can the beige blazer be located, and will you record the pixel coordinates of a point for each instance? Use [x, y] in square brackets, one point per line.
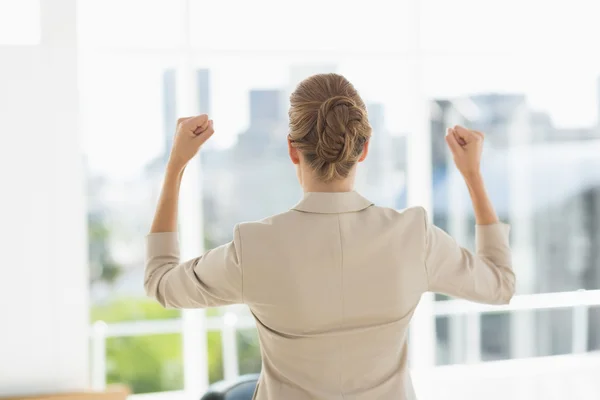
[332, 285]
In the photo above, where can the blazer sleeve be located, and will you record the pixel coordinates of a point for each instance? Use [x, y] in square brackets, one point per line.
[485, 277]
[211, 280]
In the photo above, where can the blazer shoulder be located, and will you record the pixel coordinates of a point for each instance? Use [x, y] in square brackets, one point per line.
[266, 223]
[416, 214]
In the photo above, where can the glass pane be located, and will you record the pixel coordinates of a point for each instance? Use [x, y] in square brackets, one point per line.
[150, 24]
[495, 336]
[510, 26]
[593, 332]
[248, 351]
[121, 117]
[248, 157]
[215, 356]
[121, 155]
[312, 25]
[146, 364]
[541, 170]
[554, 327]
[443, 354]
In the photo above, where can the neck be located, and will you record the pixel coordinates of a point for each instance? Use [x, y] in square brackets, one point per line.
[336, 186]
[311, 184]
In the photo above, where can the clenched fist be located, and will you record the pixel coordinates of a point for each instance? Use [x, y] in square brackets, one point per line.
[191, 133]
[466, 146]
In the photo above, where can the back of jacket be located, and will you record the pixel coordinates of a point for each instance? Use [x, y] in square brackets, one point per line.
[333, 284]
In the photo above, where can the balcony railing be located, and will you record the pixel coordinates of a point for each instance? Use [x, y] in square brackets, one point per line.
[580, 301]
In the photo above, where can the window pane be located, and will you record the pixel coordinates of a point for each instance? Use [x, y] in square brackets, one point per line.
[313, 25]
[539, 162]
[542, 172]
[151, 24]
[121, 155]
[215, 356]
[593, 334]
[248, 351]
[248, 158]
[146, 364]
[121, 117]
[510, 26]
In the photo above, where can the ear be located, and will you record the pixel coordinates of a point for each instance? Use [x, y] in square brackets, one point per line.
[294, 156]
[364, 152]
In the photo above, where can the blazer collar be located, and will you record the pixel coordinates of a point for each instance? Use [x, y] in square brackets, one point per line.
[332, 203]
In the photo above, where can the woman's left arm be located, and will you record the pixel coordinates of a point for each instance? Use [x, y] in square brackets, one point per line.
[212, 279]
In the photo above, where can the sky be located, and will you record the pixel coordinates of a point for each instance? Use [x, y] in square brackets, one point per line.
[543, 49]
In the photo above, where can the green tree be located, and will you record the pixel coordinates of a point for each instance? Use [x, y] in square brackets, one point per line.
[248, 351]
[103, 268]
[150, 363]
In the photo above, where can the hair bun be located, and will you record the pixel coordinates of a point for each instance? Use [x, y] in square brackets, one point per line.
[328, 125]
[337, 121]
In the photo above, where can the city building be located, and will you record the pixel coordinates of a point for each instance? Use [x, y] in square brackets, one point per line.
[523, 154]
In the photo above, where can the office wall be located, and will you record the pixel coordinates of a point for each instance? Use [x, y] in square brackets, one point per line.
[43, 261]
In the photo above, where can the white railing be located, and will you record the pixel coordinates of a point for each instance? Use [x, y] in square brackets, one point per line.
[580, 301]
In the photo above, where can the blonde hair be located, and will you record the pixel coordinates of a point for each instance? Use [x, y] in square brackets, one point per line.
[328, 124]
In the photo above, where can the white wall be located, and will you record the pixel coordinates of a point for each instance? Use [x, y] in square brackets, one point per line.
[43, 260]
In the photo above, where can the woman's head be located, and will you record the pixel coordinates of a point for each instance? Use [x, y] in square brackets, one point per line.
[328, 126]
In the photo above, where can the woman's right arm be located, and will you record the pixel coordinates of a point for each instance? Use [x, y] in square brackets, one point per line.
[487, 275]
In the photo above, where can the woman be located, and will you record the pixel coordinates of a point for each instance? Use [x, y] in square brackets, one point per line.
[334, 282]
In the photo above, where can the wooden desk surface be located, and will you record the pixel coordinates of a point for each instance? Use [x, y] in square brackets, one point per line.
[114, 394]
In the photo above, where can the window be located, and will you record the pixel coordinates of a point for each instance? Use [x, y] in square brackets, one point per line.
[134, 85]
[121, 108]
[420, 65]
[489, 68]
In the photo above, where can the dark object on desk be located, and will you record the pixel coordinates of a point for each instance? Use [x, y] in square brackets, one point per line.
[241, 388]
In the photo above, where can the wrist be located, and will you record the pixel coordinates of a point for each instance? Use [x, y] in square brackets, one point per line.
[175, 166]
[174, 169]
[472, 177]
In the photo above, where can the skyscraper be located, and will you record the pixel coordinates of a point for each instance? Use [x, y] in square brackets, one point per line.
[266, 107]
[376, 175]
[266, 130]
[203, 88]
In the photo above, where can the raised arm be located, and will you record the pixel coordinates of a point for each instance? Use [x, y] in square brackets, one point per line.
[466, 147]
[191, 134]
[210, 280]
[487, 275]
